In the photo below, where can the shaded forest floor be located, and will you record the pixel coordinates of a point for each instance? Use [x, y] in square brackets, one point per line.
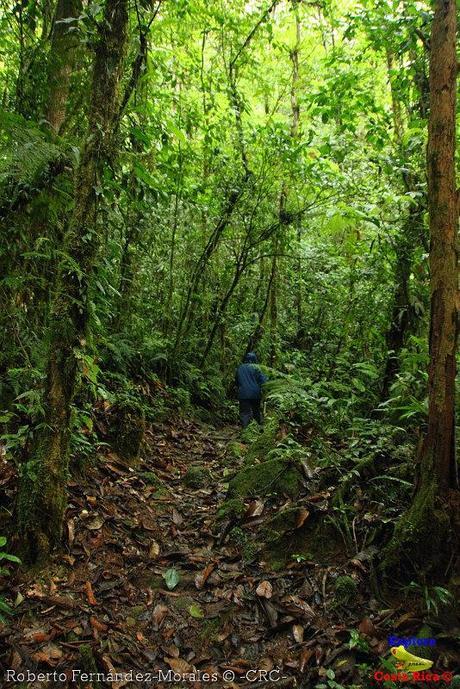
[152, 579]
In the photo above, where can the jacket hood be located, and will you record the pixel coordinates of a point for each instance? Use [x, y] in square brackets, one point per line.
[250, 358]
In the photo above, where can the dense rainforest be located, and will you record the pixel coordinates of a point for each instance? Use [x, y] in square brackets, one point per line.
[186, 185]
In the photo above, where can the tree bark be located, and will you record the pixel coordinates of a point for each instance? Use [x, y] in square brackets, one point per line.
[64, 43]
[424, 537]
[439, 446]
[42, 495]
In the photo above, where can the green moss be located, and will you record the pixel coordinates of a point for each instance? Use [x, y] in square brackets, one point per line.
[262, 443]
[231, 509]
[236, 449]
[281, 523]
[244, 543]
[420, 537]
[345, 590]
[273, 476]
[316, 540]
[87, 664]
[210, 629]
[151, 478]
[196, 476]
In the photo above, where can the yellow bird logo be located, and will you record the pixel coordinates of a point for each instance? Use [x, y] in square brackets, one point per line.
[407, 661]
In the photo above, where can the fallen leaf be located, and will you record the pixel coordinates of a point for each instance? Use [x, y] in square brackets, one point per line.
[159, 613]
[196, 612]
[172, 578]
[71, 531]
[178, 665]
[154, 549]
[99, 626]
[302, 516]
[49, 655]
[202, 577]
[95, 524]
[90, 594]
[366, 627]
[255, 508]
[177, 517]
[297, 633]
[264, 589]
[305, 656]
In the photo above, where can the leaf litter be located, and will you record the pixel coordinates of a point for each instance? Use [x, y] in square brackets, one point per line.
[150, 580]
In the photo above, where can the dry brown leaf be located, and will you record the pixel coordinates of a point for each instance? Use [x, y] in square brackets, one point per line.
[71, 530]
[264, 589]
[302, 516]
[297, 633]
[95, 524]
[178, 665]
[99, 626]
[90, 594]
[159, 613]
[296, 605]
[366, 626]
[177, 517]
[49, 655]
[202, 577]
[255, 508]
[305, 656]
[154, 549]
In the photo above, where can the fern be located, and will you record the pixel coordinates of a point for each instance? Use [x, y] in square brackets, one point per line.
[25, 155]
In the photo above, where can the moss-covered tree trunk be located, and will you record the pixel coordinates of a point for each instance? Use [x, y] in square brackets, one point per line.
[42, 493]
[423, 537]
[64, 44]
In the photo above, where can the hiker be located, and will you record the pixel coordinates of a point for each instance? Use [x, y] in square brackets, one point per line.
[249, 379]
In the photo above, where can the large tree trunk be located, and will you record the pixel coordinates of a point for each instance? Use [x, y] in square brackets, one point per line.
[42, 495]
[423, 537]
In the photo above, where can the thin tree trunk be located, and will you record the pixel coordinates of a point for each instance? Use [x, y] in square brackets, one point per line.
[42, 494]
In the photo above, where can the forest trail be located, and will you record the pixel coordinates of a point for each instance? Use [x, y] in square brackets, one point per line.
[150, 580]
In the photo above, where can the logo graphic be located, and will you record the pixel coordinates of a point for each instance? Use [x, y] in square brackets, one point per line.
[408, 662]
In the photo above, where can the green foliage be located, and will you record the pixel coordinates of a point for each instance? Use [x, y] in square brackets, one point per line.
[5, 608]
[434, 597]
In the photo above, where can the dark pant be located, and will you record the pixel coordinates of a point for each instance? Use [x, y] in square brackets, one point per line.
[250, 409]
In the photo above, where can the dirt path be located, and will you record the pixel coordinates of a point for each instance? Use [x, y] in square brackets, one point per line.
[151, 582]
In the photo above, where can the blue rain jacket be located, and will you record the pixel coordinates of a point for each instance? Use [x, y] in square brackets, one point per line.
[249, 379]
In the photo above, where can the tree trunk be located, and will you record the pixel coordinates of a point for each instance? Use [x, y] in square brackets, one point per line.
[64, 43]
[423, 537]
[42, 494]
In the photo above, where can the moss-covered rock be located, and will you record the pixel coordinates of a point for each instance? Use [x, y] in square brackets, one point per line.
[231, 509]
[262, 443]
[274, 476]
[346, 589]
[236, 449]
[281, 523]
[197, 476]
[152, 480]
